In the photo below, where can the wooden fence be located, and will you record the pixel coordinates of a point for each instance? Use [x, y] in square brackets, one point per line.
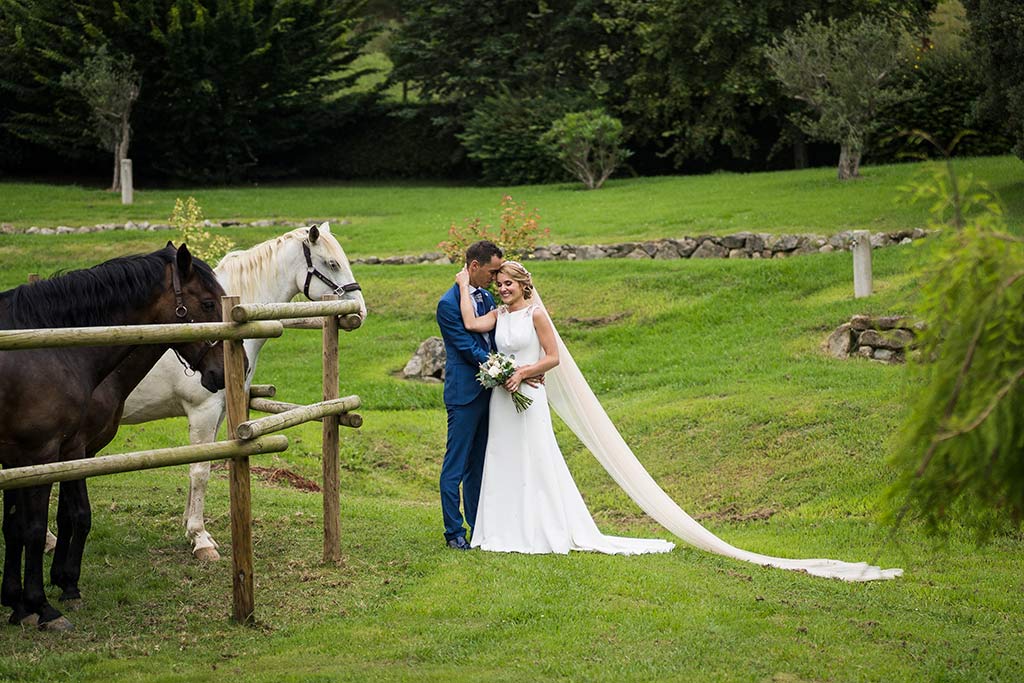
[249, 437]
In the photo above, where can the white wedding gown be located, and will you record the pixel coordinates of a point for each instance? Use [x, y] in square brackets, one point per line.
[529, 502]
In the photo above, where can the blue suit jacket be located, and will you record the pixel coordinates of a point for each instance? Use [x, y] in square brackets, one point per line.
[464, 350]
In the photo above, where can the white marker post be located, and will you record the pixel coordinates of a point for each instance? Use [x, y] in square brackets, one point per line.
[861, 247]
[127, 191]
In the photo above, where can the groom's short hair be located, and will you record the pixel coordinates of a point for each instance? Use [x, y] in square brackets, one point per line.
[482, 252]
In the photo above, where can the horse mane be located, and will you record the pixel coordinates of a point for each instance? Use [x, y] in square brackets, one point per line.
[242, 271]
[93, 296]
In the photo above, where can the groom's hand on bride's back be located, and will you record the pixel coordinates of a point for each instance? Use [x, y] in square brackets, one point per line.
[535, 381]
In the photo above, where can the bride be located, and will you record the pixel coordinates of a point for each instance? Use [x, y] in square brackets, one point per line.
[529, 501]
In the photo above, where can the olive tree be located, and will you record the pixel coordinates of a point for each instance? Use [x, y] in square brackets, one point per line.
[110, 85]
[588, 144]
[844, 72]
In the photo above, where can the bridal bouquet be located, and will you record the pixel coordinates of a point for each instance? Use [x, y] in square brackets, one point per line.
[496, 371]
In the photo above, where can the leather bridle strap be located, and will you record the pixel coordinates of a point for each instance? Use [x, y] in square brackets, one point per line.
[312, 272]
[180, 309]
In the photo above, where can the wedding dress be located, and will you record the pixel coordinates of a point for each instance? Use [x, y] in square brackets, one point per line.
[571, 397]
[529, 502]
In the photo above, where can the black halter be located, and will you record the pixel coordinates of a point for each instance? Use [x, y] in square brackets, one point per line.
[181, 310]
[312, 272]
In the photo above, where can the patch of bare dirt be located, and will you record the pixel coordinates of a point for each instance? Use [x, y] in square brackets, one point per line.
[732, 513]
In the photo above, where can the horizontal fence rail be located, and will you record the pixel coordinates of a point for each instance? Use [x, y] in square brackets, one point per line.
[130, 335]
[345, 322]
[34, 475]
[242, 313]
[295, 416]
[266, 405]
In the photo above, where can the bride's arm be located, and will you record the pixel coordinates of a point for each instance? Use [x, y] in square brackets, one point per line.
[546, 334]
[470, 321]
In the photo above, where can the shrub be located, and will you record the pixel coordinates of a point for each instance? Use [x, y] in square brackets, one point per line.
[188, 219]
[588, 144]
[517, 232]
[503, 136]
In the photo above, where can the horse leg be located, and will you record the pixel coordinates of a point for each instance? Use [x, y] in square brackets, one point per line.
[202, 429]
[35, 501]
[65, 523]
[10, 589]
[77, 524]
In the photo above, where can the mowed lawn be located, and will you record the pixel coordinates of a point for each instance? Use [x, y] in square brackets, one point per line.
[714, 373]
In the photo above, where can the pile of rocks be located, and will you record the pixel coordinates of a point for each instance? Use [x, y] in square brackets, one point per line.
[881, 338]
[741, 245]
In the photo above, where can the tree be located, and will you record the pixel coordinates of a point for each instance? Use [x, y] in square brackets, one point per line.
[233, 89]
[960, 455]
[589, 145]
[845, 72]
[110, 86]
[997, 38]
[692, 79]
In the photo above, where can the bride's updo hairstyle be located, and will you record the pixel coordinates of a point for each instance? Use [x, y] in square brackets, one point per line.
[515, 270]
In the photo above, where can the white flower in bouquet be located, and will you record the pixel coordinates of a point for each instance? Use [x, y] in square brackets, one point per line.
[495, 371]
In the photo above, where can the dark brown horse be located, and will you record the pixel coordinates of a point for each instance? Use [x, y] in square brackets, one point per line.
[58, 404]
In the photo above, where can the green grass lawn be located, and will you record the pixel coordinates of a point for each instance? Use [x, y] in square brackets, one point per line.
[408, 219]
[714, 375]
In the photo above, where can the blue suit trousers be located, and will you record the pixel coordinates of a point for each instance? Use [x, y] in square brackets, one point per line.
[464, 463]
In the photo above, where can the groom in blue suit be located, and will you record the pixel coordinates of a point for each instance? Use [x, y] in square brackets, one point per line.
[465, 399]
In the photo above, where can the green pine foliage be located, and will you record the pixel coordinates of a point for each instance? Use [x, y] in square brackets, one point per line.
[229, 88]
[961, 451]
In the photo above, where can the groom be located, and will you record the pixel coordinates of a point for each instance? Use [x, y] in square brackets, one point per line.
[464, 398]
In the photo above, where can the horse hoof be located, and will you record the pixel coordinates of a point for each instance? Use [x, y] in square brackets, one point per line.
[71, 604]
[58, 624]
[51, 543]
[31, 620]
[206, 554]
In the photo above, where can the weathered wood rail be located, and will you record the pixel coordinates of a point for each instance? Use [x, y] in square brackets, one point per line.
[241, 321]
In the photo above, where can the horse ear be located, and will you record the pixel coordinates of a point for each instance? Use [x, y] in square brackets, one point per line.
[325, 226]
[170, 245]
[184, 260]
[314, 234]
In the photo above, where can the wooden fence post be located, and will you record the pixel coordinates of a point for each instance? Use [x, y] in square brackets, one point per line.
[237, 400]
[332, 486]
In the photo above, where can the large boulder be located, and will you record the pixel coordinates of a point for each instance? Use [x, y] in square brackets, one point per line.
[428, 361]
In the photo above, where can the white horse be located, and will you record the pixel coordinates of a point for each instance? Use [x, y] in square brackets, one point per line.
[307, 260]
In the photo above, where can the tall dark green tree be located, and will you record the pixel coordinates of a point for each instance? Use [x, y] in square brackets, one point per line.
[997, 38]
[461, 51]
[233, 88]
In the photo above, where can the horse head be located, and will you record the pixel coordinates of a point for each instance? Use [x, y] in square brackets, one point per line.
[328, 270]
[196, 299]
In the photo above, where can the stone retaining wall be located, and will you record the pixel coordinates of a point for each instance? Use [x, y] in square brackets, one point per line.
[747, 245]
[8, 229]
[741, 245]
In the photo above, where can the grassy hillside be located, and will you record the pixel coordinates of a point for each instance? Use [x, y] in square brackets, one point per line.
[385, 219]
[714, 375]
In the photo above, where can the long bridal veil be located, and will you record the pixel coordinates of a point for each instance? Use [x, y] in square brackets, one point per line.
[571, 397]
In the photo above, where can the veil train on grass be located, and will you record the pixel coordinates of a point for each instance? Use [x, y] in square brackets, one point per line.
[572, 399]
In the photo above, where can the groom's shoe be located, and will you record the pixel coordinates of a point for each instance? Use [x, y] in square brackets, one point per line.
[459, 543]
